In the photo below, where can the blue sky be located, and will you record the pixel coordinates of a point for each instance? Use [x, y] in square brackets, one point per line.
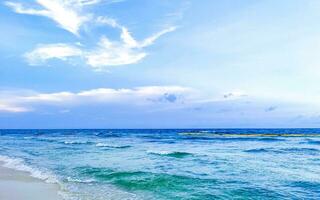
[159, 63]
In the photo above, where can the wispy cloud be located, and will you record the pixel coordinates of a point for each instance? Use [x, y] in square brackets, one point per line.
[112, 54]
[132, 43]
[66, 13]
[106, 53]
[70, 15]
[52, 51]
[127, 51]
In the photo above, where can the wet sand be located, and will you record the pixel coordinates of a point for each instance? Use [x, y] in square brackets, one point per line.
[17, 185]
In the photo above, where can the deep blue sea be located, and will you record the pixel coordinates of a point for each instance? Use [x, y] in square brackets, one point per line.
[170, 164]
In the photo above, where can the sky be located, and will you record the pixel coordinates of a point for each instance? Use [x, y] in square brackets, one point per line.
[159, 64]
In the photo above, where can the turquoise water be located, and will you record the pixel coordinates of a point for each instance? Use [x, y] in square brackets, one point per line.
[170, 164]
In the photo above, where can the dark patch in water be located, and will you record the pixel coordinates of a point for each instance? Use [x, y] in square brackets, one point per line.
[108, 135]
[307, 189]
[268, 135]
[253, 193]
[306, 184]
[34, 153]
[261, 150]
[162, 141]
[113, 146]
[284, 150]
[49, 140]
[299, 150]
[270, 139]
[314, 142]
[179, 154]
[63, 148]
[262, 139]
[121, 147]
[76, 142]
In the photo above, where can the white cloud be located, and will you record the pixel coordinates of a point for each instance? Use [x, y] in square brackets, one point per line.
[127, 39]
[136, 96]
[69, 15]
[151, 98]
[107, 21]
[128, 51]
[4, 107]
[19, 8]
[130, 42]
[51, 51]
[49, 97]
[150, 40]
[107, 53]
[66, 13]
[107, 95]
[112, 54]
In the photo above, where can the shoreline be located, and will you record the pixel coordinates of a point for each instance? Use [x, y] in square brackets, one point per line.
[19, 185]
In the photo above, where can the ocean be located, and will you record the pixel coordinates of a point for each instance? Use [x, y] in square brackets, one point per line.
[177, 164]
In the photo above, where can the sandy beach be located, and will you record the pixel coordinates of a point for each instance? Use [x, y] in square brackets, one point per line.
[17, 185]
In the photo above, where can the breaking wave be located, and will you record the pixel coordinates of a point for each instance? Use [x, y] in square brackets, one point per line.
[19, 165]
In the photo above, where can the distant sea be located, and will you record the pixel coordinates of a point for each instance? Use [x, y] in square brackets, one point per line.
[196, 164]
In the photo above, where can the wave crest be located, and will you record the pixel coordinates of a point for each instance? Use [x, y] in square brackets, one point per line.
[175, 154]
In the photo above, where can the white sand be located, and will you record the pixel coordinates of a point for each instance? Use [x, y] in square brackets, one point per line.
[16, 185]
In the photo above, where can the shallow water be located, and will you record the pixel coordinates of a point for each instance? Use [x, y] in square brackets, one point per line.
[170, 164]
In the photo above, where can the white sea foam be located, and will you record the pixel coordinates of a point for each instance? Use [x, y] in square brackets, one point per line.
[160, 152]
[19, 164]
[168, 153]
[70, 179]
[111, 145]
[163, 152]
[76, 142]
[102, 145]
